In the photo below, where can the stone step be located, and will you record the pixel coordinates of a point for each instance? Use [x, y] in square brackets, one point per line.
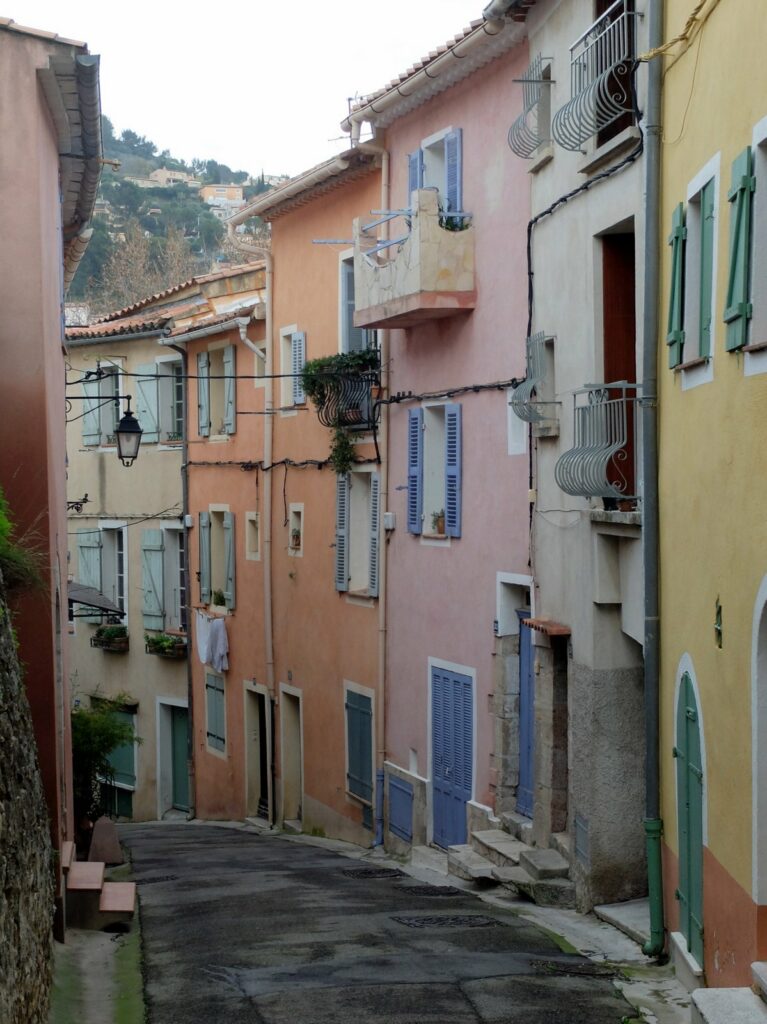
[464, 862]
[759, 978]
[727, 1006]
[118, 897]
[543, 864]
[546, 892]
[85, 876]
[560, 841]
[497, 846]
[518, 826]
[631, 917]
[292, 827]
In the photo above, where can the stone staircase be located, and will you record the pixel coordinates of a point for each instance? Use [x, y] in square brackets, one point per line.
[507, 857]
[733, 1005]
[91, 901]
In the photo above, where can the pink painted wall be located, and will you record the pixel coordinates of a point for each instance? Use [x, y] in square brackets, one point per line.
[442, 601]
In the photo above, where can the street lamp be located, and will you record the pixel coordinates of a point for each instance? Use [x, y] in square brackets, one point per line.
[128, 434]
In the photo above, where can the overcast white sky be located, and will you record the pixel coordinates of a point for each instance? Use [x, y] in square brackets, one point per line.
[257, 85]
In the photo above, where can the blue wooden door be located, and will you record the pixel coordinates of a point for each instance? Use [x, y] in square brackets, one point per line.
[452, 716]
[526, 718]
[689, 777]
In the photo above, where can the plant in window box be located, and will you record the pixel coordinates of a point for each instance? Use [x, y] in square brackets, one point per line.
[165, 645]
[173, 437]
[217, 597]
[110, 439]
[340, 386]
[111, 638]
[295, 539]
[438, 522]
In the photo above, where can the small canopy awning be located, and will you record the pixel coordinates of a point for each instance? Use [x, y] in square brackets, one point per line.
[78, 593]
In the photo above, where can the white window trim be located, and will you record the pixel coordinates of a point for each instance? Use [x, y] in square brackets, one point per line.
[298, 507]
[364, 691]
[215, 346]
[215, 507]
[251, 517]
[343, 257]
[118, 362]
[703, 373]
[360, 597]
[119, 524]
[174, 358]
[517, 580]
[175, 528]
[436, 137]
[755, 363]
[286, 332]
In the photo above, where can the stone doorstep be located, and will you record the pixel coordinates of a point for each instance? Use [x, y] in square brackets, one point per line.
[85, 876]
[118, 898]
[466, 863]
[519, 827]
[727, 1006]
[688, 971]
[631, 917]
[560, 841]
[497, 846]
[545, 892]
[543, 864]
[759, 979]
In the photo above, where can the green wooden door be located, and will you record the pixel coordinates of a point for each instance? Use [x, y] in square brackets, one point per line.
[180, 725]
[689, 777]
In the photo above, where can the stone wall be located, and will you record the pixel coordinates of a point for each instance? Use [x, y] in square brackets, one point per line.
[26, 887]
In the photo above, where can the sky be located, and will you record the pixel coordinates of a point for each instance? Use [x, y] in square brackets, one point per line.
[255, 85]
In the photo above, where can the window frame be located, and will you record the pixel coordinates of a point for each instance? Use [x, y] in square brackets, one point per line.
[358, 534]
[292, 397]
[369, 337]
[174, 569]
[214, 748]
[111, 528]
[168, 383]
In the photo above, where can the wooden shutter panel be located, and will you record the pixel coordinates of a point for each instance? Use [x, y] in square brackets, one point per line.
[203, 394]
[147, 402]
[414, 173]
[123, 758]
[216, 711]
[229, 559]
[355, 338]
[230, 386]
[89, 563]
[453, 171]
[675, 331]
[359, 734]
[91, 413]
[415, 471]
[297, 360]
[707, 215]
[375, 521]
[204, 558]
[153, 605]
[738, 308]
[453, 470]
[342, 531]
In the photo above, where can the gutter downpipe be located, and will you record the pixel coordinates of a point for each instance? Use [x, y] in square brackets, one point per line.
[653, 823]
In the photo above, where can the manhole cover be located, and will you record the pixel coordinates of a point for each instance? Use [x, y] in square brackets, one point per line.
[587, 970]
[157, 878]
[374, 873]
[434, 891]
[448, 921]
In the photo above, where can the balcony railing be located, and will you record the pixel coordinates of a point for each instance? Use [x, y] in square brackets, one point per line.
[424, 272]
[523, 403]
[602, 462]
[532, 128]
[349, 401]
[600, 83]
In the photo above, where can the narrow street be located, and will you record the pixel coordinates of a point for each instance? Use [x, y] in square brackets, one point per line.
[239, 927]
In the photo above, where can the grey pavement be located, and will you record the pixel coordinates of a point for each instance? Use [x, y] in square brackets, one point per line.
[240, 927]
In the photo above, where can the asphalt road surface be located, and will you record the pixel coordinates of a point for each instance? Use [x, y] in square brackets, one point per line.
[239, 927]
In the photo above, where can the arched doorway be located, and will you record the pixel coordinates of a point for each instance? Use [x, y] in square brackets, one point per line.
[689, 778]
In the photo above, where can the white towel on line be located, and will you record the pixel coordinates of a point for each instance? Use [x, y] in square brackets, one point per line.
[219, 645]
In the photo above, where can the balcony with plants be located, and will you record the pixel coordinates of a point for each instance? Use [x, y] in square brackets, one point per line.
[166, 645]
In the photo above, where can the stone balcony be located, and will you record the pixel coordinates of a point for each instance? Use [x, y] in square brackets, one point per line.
[426, 274]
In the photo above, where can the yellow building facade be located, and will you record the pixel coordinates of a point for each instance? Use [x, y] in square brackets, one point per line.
[713, 529]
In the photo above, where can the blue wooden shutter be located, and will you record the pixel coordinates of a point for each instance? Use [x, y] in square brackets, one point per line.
[153, 605]
[375, 523]
[415, 471]
[707, 219]
[359, 735]
[147, 404]
[229, 559]
[453, 470]
[297, 360]
[738, 308]
[123, 758]
[414, 173]
[675, 330]
[230, 385]
[91, 413]
[453, 171]
[204, 557]
[342, 531]
[89, 563]
[203, 394]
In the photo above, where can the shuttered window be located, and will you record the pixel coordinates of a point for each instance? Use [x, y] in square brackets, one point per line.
[204, 541]
[439, 165]
[415, 471]
[147, 402]
[123, 759]
[89, 563]
[738, 307]
[152, 606]
[374, 507]
[434, 467]
[358, 511]
[230, 386]
[203, 394]
[675, 331]
[453, 470]
[414, 174]
[229, 560]
[353, 339]
[359, 739]
[297, 360]
[215, 706]
[453, 172]
[706, 300]
[342, 532]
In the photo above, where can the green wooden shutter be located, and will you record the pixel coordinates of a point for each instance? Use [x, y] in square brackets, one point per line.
[675, 332]
[147, 403]
[738, 308]
[342, 532]
[204, 540]
[229, 560]
[216, 711]
[297, 360]
[153, 605]
[203, 394]
[89, 563]
[91, 413]
[375, 520]
[123, 758]
[359, 737]
[689, 769]
[230, 386]
[707, 221]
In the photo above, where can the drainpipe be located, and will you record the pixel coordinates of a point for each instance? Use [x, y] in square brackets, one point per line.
[652, 821]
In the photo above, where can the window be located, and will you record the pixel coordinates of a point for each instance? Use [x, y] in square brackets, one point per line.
[101, 561]
[101, 408]
[252, 536]
[160, 401]
[352, 339]
[215, 708]
[437, 165]
[163, 579]
[434, 470]
[359, 745]
[216, 392]
[357, 533]
[292, 358]
[217, 562]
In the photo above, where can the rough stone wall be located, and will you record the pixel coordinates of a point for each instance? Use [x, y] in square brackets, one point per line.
[506, 722]
[26, 887]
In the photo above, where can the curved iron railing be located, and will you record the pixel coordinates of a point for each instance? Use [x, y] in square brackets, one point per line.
[348, 400]
[530, 130]
[522, 403]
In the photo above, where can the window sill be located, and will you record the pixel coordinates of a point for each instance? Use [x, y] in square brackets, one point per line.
[218, 438]
[542, 156]
[435, 540]
[361, 598]
[623, 141]
[690, 364]
[756, 346]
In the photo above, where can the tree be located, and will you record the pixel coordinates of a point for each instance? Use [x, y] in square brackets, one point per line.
[178, 263]
[97, 731]
[91, 267]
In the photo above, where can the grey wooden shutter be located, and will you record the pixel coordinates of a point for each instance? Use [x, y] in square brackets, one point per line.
[91, 413]
[359, 735]
[89, 563]
[152, 583]
[230, 390]
[415, 471]
[453, 470]
[203, 394]
[453, 171]
[355, 338]
[297, 360]
[229, 560]
[204, 557]
[147, 403]
[375, 520]
[414, 173]
[342, 532]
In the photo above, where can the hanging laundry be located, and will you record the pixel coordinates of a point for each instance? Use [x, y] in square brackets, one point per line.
[202, 635]
[219, 645]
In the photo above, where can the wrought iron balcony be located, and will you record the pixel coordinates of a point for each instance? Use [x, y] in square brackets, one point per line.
[603, 460]
[425, 272]
[523, 403]
[600, 78]
[343, 389]
[532, 128]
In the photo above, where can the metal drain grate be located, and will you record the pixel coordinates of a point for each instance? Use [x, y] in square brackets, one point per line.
[448, 921]
[157, 878]
[374, 873]
[432, 890]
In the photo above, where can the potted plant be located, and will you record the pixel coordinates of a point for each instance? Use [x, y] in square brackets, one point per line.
[295, 539]
[111, 638]
[217, 597]
[438, 522]
[165, 645]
